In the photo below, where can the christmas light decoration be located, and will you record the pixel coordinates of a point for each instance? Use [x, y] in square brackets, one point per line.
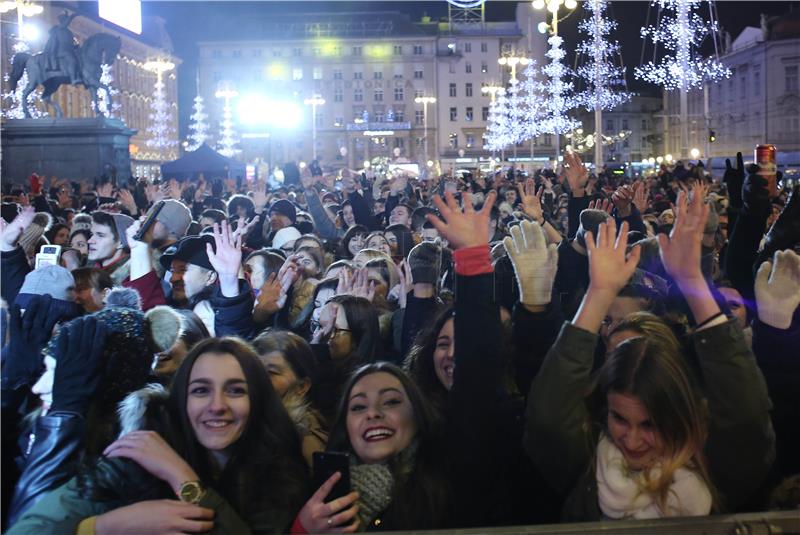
[600, 73]
[516, 114]
[12, 100]
[533, 92]
[681, 35]
[559, 99]
[160, 132]
[198, 128]
[107, 78]
[228, 138]
[497, 135]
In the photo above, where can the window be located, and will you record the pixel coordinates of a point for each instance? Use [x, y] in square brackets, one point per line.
[757, 82]
[337, 94]
[337, 50]
[452, 90]
[357, 50]
[418, 74]
[377, 75]
[297, 73]
[624, 124]
[470, 141]
[484, 47]
[468, 89]
[379, 116]
[419, 117]
[609, 126]
[454, 114]
[337, 74]
[625, 144]
[484, 67]
[358, 75]
[358, 95]
[399, 143]
[644, 124]
[216, 54]
[790, 72]
[399, 116]
[743, 87]
[378, 94]
[467, 47]
[451, 68]
[453, 141]
[317, 73]
[398, 94]
[485, 113]
[237, 53]
[398, 50]
[730, 89]
[316, 51]
[468, 67]
[256, 53]
[418, 50]
[548, 139]
[418, 141]
[419, 93]
[468, 115]
[277, 53]
[297, 52]
[339, 121]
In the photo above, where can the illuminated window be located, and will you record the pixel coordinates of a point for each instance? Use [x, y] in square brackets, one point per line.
[297, 73]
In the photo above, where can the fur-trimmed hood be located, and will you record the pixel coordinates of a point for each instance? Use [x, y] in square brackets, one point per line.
[133, 410]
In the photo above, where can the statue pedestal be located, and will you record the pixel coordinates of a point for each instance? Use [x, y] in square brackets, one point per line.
[77, 149]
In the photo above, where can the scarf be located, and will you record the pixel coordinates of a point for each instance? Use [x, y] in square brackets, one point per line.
[619, 489]
[375, 483]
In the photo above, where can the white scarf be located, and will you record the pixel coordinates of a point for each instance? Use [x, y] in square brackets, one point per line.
[619, 494]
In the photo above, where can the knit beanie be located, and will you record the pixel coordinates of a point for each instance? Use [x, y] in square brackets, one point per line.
[425, 260]
[175, 216]
[284, 207]
[41, 223]
[55, 281]
[590, 221]
[122, 222]
[82, 221]
[124, 297]
[284, 236]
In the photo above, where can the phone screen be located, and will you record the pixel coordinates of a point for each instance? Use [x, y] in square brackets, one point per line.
[328, 463]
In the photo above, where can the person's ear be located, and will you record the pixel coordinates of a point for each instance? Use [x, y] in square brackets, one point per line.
[302, 387]
[212, 278]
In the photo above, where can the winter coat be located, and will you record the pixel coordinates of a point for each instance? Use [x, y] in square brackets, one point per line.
[123, 482]
[13, 268]
[560, 439]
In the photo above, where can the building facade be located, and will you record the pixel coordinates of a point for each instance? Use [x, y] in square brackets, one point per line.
[370, 69]
[759, 103]
[133, 84]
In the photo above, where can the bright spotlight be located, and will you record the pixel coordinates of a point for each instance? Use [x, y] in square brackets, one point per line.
[695, 153]
[302, 165]
[668, 157]
[258, 110]
[570, 4]
[430, 163]
[30, 32]
[538, 4]
[543, 27]
[367, 164]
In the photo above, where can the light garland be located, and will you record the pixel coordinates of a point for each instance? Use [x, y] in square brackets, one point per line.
[533, 101]
[107, 78]
[161, 134]
[497, 130]
[12, 100]
[600, 73]
[228, 138]
[583, 143]
[681, 35]
[198, 129]
[559, 100]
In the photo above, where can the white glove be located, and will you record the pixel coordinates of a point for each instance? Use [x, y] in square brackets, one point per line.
[535, 263]
[778, 292]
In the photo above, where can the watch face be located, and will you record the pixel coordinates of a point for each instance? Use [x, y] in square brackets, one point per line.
[191, 492]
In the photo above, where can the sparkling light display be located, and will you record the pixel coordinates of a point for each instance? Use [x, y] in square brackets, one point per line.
[107, 78]
[12, 100]
[161, 134]
[226, 145]
[198, 128]
[497, 135]
[516, 114]
[681, 34]
[533, 97]
[559, 98]
[600, 72]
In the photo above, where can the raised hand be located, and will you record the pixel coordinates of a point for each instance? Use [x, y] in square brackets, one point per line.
[10, 232]
[734, 180]
[641, 194]
[125, 198]
[777, 289]
[609, 269]
[622, 199]
[243, 228]
[604, 205]
[406, 283]
[399, 184]
[64, 198]
[535, 263]
[227, 260]
[260, 197]
[153, 454]
[680, 252]
[130, 233]
[463, 229]
[348, 181]
[271, 298]
[576, 173]
[531, 200]
[154, 193]
[785, 231]
[27, 336]
[316, 516]
[362, 286]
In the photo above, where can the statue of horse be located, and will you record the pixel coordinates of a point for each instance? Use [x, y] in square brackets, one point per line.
[99, 49]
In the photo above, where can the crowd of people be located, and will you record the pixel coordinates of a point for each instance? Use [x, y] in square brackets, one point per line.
[487, 350]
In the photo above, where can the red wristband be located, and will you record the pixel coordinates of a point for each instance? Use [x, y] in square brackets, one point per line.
[297, 527]
[473, 260]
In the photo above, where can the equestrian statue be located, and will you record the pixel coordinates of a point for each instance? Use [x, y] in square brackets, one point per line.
[64, 62]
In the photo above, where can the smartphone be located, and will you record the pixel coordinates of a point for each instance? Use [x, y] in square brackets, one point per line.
[328, 463]
[48, 255]
[149, 221]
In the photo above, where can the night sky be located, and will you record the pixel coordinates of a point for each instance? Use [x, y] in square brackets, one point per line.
[192, 21]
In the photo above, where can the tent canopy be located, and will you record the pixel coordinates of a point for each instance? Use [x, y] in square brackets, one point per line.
[203, 160]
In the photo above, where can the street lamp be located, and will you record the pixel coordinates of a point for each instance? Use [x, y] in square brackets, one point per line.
[695, 152]
[492, 91]
[24, 9]
[425, 101]
[314, 101]
[512, 61]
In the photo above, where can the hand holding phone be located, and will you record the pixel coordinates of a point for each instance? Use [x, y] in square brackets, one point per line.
[328, 463]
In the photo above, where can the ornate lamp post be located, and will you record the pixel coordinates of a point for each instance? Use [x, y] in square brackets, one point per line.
[512, 61]
[425, 101]
[314, 101]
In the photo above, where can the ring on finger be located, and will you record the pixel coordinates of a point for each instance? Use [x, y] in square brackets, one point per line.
[330, 521]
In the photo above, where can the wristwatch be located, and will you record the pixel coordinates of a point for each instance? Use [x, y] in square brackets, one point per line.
[191, 492]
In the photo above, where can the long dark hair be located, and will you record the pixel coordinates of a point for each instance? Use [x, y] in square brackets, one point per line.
[344, 252]
[266, 469]
[362, 320]
[419, 362]
[422, 495]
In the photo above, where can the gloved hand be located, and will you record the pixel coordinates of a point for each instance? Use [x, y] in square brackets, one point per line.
[78, 364]
[785, 231]
[28, 334]
[778, 289]
[755, 194]
[534, 262]
[734, 180]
